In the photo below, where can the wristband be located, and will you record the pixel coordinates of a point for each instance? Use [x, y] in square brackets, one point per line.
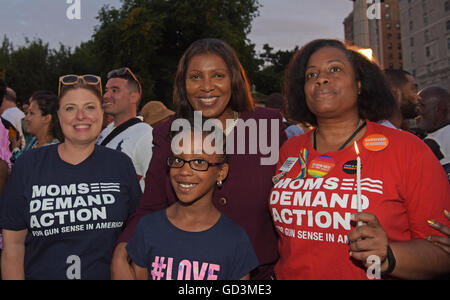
[391, 261]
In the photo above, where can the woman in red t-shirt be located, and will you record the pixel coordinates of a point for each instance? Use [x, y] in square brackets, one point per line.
[314, 202]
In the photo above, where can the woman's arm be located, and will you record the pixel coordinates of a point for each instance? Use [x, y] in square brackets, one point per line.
[415, 259]
[443, 242]
[13, 254]
[419, 259]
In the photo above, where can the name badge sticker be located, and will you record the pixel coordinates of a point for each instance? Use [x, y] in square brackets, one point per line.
[277, 178]
[288, 164]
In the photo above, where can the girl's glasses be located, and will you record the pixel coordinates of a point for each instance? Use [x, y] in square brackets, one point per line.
[195, 164]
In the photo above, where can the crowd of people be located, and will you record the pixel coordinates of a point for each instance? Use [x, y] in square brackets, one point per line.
[91, 189]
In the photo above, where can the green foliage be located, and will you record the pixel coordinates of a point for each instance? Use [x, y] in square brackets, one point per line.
[149, 36]
[270, 78]
[29, 67]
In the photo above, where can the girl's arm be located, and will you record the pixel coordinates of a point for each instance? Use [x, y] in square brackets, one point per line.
[246, 277]
[141, 273]
[13, 254]
[120, 267]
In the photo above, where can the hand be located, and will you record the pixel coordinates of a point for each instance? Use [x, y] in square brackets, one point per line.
[120, 266]
[443, 242]
[368, 239]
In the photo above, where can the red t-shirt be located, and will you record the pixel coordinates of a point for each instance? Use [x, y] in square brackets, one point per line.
[402, 184]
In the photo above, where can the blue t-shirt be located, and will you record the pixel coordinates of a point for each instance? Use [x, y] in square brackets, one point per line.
[73, 213]
[293, 130]
[223, 252]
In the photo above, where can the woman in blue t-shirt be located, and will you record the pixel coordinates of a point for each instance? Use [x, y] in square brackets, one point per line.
[192, 239]
[64, 205]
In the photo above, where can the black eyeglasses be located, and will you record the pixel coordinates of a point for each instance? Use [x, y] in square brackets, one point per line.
[195, 164]
[122, 72]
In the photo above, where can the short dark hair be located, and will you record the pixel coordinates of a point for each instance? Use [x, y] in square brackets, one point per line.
[48, 104]
[396, 77]
[375, 101]
[131, 82]
[241, 97]
[10, 95]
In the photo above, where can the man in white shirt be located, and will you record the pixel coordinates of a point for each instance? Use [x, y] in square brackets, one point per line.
[434, 118]
[128, 133]
[10, 112]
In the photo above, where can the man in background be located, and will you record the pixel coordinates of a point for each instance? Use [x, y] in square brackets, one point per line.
[434, 109]
[127, 133]
[12, 119]
[404, 88]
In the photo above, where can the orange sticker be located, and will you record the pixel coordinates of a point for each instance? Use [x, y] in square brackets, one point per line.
[376, 142]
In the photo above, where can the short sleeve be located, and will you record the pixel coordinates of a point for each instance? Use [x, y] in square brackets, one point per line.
[426, 190]
[245, 258]
[136, 248]
[12, 203]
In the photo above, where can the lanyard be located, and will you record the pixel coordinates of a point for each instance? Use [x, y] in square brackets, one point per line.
[360, 127]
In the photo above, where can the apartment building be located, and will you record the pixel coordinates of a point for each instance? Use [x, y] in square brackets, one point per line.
[376, 24]
[425, 31]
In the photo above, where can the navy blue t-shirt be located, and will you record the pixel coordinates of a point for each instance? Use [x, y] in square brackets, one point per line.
[223, 252]
[73, 213]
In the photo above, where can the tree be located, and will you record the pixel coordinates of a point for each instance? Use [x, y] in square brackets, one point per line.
[35, 66]
[5, 51]
[149, 36]
[270, 78]
[30, 68]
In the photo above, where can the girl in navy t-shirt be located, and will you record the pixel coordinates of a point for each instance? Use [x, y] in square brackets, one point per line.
[192, 239]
